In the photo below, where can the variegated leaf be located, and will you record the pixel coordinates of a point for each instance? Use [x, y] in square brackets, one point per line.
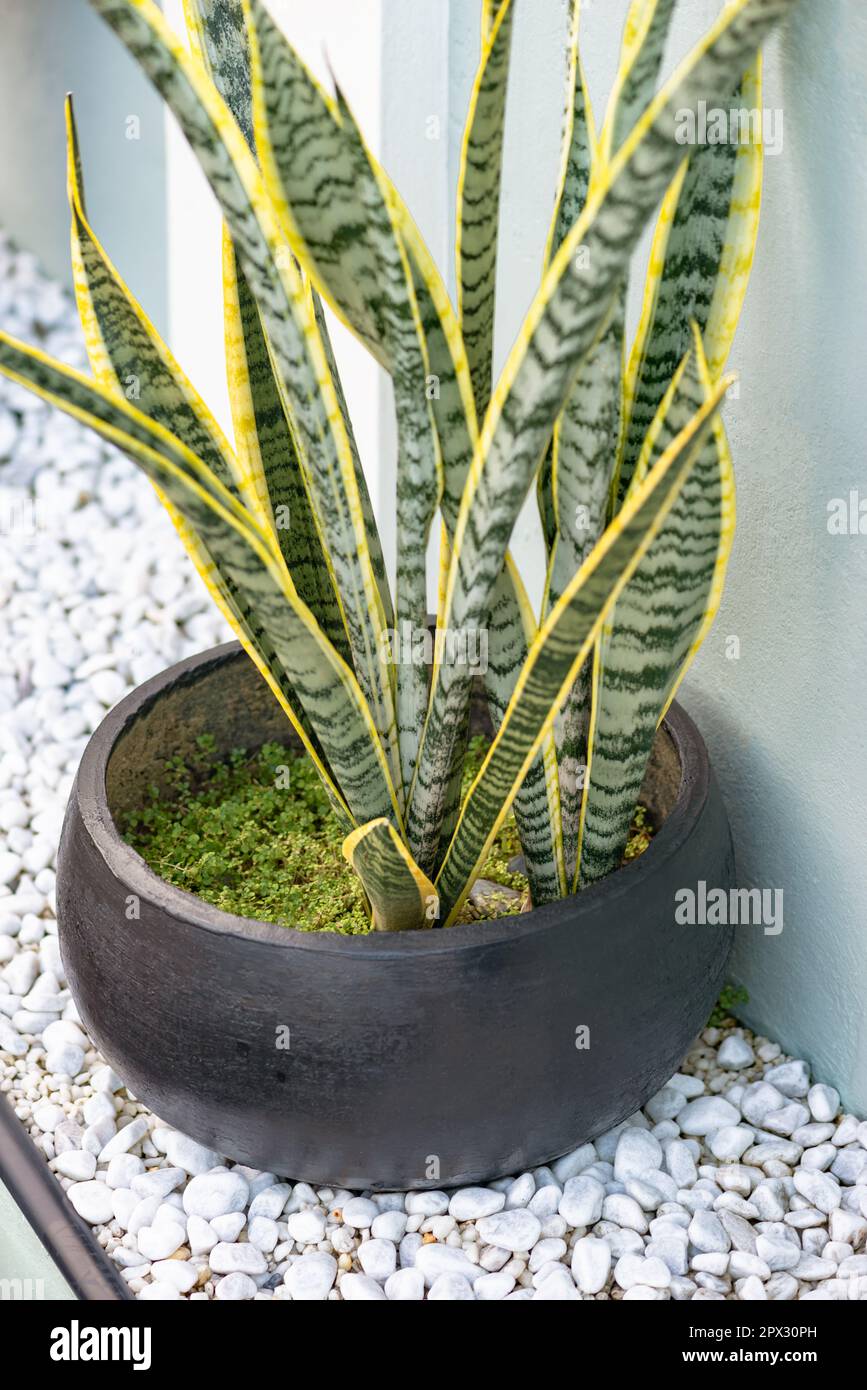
[268, 455]
[510, 625]
[577, 144]
[125, 351]
[325, 686]
[419, 470]
[699, 268]
[581, 450]
[371, 531]
[562, 327]
[401, 896]
[644, 38]
[652, 629]
[561, 647]
[584, 454]
[290, 323]
[478, 203]
[218, 32]
[574, 180]
[124, 348]
[309, 170]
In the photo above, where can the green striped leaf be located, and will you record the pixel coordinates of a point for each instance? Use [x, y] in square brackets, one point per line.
[290, 323]
[309, 168]
[324, 685]
[572, 185]
[479, 203]
[490, 10]
[562, 327]
[584, 454]
[368, 520]
[511, 625]
[419, 472]
[401, 896]
[577, 456]
[700, 263]
[124, 348]
[580, 463]
[561, 647]
[218, 32]
[644, 37]
[651, 631]
[269, 455]
[511, 631]
[577, 144]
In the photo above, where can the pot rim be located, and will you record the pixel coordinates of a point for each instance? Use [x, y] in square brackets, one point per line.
[130, 869]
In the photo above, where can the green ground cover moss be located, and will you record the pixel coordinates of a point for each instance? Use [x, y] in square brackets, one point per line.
[254, 835]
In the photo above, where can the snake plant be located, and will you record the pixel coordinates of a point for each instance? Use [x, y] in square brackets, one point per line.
[624, 443]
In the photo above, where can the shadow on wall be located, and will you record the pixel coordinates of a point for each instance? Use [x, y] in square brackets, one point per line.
[50, 47]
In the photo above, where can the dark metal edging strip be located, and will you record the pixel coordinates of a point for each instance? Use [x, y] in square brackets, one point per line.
[69, 1241]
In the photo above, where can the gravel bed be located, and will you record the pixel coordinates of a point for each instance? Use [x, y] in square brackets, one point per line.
[740, 1179]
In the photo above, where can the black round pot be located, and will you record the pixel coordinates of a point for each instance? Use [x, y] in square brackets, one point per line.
[415, 1059]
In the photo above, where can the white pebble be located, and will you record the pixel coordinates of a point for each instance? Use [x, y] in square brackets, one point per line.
[310, 1278]
[93, 1201]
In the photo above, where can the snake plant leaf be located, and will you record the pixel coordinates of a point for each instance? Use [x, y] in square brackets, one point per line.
[573, 182]
[325, 686]
[273, 624]
[419, 469]
[577, 465]
[292, 332]
[218, 33]
[644, 37]
[268, 454]
[511, 631]
[653, 628]
[490, 10]
[563, 325]
[308, 159]
[575, 480]
[368, 520]
[583, 454]
[700, 264]
[511, 626]
[124, 348]
[401, 896]
[309, 169]
[558, 653]
[577, 144]
[537, 818]
[478, 203]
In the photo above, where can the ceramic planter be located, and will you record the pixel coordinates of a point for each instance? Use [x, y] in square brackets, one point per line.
[420, 1059]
